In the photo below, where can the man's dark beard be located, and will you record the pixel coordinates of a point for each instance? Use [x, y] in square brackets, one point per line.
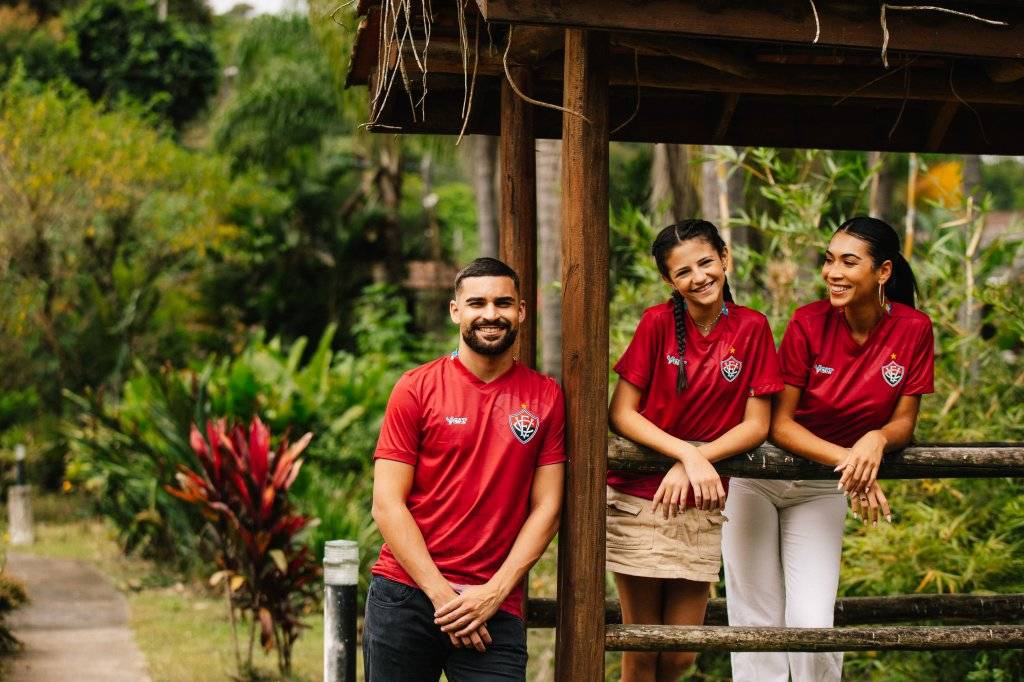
[484, 348]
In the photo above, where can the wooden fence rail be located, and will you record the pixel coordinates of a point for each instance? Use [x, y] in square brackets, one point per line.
[720, 638]
[976, 460]
[965, 608]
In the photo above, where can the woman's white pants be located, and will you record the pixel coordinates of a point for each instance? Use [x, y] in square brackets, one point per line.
[781, 548]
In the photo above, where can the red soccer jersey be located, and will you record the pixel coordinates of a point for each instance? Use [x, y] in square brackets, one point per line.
[850, 389]
[735, 361]
[475, 447]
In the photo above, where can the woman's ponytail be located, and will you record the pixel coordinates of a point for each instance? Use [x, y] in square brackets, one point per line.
[901, 285]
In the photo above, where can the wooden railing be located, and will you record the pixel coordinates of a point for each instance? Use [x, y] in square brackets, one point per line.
[859, 619]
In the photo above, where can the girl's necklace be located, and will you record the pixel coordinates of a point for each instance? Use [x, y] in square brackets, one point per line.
[706, 328]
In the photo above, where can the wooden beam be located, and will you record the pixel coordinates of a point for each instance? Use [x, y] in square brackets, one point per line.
[842, 24]
[889, 638]
[518, 216]
[997, 460]
[903, 608]
[943, 118]
[713, 56]
[729, 103]
[579, 642]
[691, 118]
[533, 44]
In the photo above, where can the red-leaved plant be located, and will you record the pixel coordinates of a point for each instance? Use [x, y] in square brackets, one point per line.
[243, 491]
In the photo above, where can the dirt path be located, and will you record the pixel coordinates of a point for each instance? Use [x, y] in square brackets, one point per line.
[74, 628]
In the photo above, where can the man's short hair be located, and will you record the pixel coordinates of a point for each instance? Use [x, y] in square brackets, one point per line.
[486, 267]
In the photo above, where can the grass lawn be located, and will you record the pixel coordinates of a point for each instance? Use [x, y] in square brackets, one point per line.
[182, 629]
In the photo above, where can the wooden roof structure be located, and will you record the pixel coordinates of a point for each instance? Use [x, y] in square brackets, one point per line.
[846, 74]
[792, 73]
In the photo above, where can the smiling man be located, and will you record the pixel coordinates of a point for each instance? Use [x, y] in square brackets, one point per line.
[467, 491]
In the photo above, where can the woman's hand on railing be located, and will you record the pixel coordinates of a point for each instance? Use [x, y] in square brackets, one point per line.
[870, 506]
[860, 468]
[708, 492]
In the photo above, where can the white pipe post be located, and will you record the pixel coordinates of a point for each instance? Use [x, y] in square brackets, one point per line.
[341, 578]
[19, 507]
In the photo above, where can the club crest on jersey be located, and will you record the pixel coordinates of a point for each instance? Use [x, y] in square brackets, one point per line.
[524, 425]
[893, 372]
[731, 368]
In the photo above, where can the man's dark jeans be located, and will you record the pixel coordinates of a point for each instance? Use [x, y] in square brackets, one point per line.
[402, 644]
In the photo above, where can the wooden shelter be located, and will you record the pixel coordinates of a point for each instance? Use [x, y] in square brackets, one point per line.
[848, 74]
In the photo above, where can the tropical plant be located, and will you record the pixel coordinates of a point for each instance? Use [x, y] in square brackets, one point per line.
[242, 490]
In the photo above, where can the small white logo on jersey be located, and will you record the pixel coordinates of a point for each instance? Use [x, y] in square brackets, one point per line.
[673, 360]
[822, 369]
[456, 420]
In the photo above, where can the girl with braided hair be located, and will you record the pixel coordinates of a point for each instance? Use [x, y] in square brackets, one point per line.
[855, 366]
[699, 368]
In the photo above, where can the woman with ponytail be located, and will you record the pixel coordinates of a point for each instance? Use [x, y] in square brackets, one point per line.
[699, 368]
[855, 366]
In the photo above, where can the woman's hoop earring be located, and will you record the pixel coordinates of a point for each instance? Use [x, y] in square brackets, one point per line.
[881, 296]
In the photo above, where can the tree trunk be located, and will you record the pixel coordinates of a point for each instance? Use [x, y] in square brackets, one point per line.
[673, 196]
[389, 189]
[549, 240]
[880, 190]
[485, 160]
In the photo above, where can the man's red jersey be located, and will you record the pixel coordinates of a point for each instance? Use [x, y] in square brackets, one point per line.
[735, 361]
[850, 389]
[475, 447]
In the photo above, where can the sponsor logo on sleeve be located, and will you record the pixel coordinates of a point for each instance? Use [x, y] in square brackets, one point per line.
[674, 360]
[524, 424]
[456, 421]
[822, 369]
[731, 367]
[893, 372]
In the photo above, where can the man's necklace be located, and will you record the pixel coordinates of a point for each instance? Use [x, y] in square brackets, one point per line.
[706, 328]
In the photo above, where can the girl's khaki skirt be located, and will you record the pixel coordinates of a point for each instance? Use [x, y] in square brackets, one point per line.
[687, 545]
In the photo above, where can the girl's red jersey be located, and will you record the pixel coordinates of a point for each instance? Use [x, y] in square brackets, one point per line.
[850, 389]
[735, 361]
[474, 447]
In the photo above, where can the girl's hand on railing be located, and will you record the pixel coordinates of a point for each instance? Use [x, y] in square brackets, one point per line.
[870, 506]
[860, 468]
[672, 491]
[708, 492]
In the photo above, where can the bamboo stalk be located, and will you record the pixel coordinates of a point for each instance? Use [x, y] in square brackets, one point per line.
[908, 234]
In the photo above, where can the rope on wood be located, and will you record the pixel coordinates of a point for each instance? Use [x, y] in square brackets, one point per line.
[525, 98]
[925, 8]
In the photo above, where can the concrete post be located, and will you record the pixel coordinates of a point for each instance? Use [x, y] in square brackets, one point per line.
[19, 507]
[341, 578]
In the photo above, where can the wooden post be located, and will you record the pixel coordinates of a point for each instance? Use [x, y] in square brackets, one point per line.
[518, 220]
[580, 637]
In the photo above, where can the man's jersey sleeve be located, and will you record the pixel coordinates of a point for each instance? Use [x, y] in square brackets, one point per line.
[553, 448]
[400, 433]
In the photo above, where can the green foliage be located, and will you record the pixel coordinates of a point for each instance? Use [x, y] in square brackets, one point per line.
[38, 44]
[125, 448]
[12, 596]
[122, 50]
